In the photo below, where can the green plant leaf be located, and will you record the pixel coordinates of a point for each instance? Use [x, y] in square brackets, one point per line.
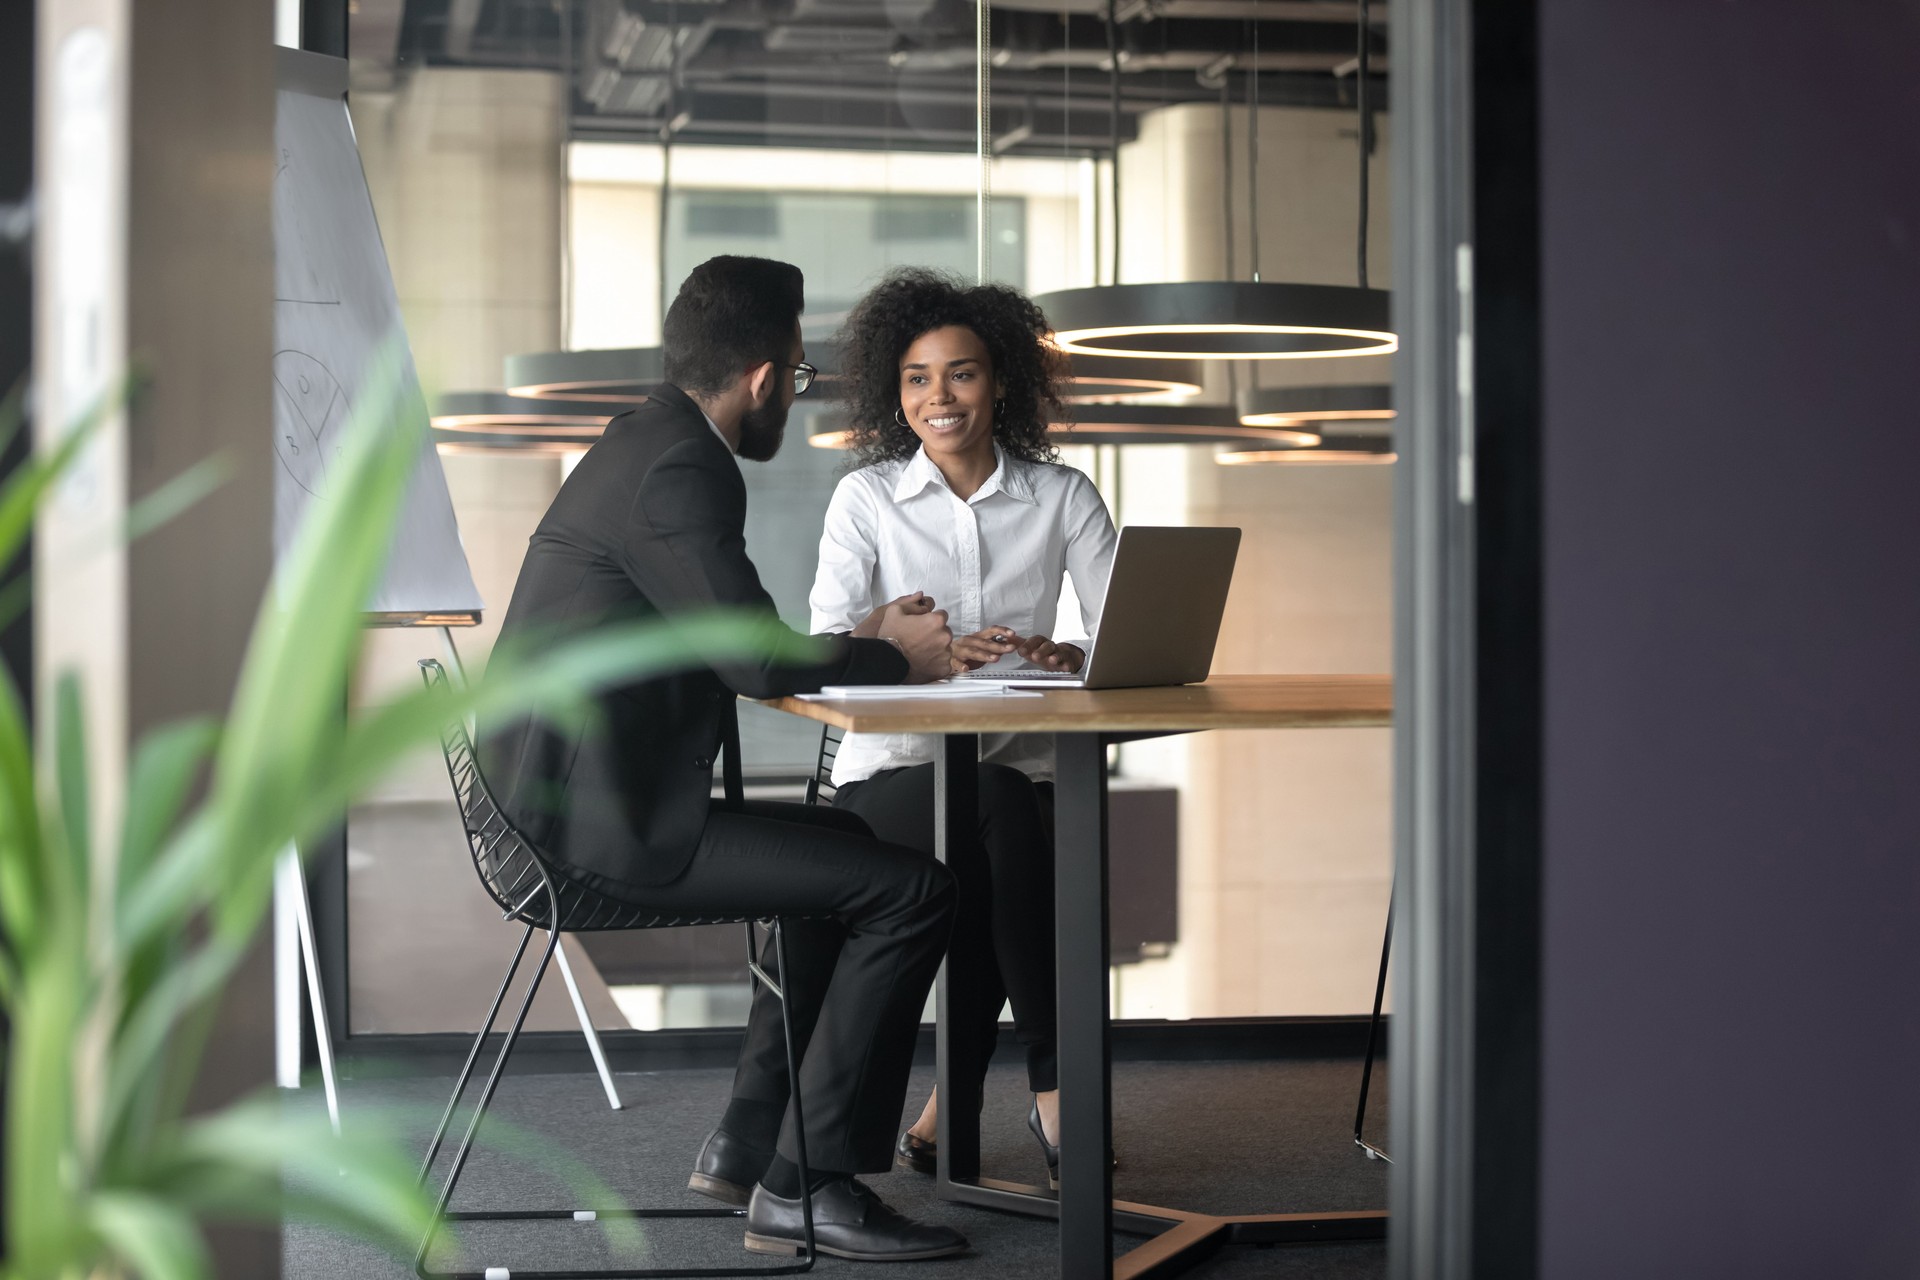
[152, 1020]
[153, 1235]
[177, 496]
[165, 766]
[70, 778]
[286, 710]
[359, 1181]
[40, 1208]
[21, 493]
[21, 867]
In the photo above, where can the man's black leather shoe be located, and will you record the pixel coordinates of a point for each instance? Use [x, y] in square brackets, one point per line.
[727, 1168]
[849, 1221]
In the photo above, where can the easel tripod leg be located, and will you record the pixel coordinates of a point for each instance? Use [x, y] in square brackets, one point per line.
[310, 965]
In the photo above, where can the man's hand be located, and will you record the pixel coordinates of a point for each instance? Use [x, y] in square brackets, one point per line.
[970, 653]
[921, 632]
[1042, 652]
[918, 602]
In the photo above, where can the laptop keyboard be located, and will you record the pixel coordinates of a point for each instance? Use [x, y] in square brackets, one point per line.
[1030, 673]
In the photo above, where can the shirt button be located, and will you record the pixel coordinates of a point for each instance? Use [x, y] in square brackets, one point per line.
[702, 762]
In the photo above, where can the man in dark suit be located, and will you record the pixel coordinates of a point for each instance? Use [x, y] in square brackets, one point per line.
[651, 523]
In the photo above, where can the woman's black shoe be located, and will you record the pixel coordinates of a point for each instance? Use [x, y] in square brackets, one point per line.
[1051, 1152]
[916, 1154]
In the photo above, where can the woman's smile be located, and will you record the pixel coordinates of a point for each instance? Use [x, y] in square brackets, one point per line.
[946, 394]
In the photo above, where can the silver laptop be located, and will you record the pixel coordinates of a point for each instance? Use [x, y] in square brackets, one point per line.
[1165, 597]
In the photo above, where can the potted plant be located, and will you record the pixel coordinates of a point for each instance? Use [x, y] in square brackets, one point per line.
[115, 944]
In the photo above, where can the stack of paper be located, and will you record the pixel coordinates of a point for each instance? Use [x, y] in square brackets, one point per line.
[938, 689]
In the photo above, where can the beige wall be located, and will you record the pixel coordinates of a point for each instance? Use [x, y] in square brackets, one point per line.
[154, 247]
[465, 168]
[1285, 837]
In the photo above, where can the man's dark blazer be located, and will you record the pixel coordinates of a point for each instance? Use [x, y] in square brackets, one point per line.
[651, 522]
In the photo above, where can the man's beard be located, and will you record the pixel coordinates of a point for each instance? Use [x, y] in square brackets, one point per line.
[761, 430]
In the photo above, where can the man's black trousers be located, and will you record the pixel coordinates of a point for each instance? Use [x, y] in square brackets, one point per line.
[857, 981]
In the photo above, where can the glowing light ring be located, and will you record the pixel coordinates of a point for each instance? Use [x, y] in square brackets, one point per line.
[1221, 320]
[1366, 342]
[1305, 457]
[1365, 405]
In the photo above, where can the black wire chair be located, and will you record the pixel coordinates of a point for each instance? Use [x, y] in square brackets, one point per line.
[519, 878]
[820, 788]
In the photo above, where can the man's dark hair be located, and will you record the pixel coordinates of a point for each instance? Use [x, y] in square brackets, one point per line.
[731, 313]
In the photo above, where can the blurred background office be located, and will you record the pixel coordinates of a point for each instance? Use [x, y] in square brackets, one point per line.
[546, 175]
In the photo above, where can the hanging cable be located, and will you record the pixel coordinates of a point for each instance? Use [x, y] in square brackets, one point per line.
[1226, 202]
[566, 178]
[1113, 128]
[983, 135]
[1226, 168]
[1366, 139]
[1253, 155]
[666, 157]
[1067, 202]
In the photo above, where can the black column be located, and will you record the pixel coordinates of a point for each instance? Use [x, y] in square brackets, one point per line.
[956, 821]
[1080, 914]
[16, 338]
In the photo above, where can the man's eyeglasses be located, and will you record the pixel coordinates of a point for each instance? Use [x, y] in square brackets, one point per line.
[803, 376]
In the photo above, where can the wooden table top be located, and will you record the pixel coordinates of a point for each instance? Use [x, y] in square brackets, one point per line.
[1223, 702]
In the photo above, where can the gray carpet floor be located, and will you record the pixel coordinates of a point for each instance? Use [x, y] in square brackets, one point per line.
[1216, 1137]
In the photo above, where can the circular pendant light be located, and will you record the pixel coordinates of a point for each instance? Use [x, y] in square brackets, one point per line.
[1170, 424]
[495, 422]
[1335, 453]
[624, 375]
[1221, 320]
[1225, 319]
[1341, 408]
[1125, 424]
[1095, 379]
[613, 375]
[826, 432]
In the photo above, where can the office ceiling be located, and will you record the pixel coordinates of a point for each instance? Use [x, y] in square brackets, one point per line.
[879, 73]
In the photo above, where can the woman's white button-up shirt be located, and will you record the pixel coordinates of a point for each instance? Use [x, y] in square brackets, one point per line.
[993, 560]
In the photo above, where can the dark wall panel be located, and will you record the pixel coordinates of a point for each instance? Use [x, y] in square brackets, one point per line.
[1731, 343]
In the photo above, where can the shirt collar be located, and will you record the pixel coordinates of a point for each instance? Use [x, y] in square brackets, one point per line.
[715, 427]
[670, 396]
[1009, 477]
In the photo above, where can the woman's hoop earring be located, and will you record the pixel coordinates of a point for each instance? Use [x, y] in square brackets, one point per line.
[900, 416]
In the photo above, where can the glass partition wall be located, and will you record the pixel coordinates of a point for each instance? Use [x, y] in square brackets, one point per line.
[521, 161]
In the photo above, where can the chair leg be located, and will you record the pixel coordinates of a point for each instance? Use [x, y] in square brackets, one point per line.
[486, 1096]
[1373, 1034]
[441, 1215]
[586, 1026]
[473, 1055]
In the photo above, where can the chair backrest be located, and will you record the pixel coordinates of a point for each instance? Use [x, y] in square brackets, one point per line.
[820, 788]
[518, 875]
[508, 863]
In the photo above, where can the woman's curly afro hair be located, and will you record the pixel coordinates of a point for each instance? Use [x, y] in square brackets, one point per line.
[911, 302]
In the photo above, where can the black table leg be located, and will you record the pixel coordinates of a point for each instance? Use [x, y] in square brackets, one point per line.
[1084, 1206]
[956, 820]
[1080, 907]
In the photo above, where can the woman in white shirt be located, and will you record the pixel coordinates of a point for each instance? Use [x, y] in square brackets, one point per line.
[960, 504]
